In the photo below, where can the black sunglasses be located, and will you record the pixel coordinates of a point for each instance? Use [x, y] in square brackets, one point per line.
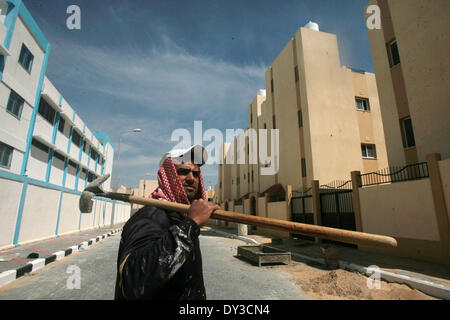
[185, 172]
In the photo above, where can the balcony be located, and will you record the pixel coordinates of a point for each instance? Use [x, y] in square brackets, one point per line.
[3, 50]
[50, 93]
[43, 129]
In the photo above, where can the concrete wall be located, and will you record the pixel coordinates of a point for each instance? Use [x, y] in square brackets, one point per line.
[444, 167]
[329, 112]
[26, 217]
[418, 85]
[406, 210]
[285, 111]
[277, 210]
[14, 75]
[424, 52]
[10, 200]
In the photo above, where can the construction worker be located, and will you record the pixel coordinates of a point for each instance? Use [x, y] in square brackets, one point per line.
[159, 254]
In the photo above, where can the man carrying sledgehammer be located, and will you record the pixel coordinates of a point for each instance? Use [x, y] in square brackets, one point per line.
[159, 254]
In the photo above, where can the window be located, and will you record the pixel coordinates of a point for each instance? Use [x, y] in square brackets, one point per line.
[6, 152]
[76, 138]
[408, 133]
[15, 104]
[265, 126]
[59, 156]
[40, 145]
[26, 58]
[85, 147]
[300, 119]
[271, 85]
[72, 164]
[394, 55]
[362, 104]
[368, 151]
[91, 177]
[296, 73]
[94, 154]
[274, 122]
[46, 111]
[61, 125]
[303, 167]
[238, 181]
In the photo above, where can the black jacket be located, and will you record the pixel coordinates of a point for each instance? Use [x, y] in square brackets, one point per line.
[159, 257]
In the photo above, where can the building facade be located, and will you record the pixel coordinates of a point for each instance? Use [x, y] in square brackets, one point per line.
[327, 115]
[47, 153]
[410, 55]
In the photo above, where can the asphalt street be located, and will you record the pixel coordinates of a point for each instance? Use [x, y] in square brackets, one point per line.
[91, 274]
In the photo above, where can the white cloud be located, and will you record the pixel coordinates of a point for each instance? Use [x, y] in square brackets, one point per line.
[161, 89]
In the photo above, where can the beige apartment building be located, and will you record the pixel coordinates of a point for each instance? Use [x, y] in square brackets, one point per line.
[411, 60]
[328, 117]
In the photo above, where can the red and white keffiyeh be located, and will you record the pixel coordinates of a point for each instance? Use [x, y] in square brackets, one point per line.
[170, 187]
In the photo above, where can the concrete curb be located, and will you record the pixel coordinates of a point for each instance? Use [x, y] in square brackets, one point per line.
[9, 276]
[427, 287]
[230, 235]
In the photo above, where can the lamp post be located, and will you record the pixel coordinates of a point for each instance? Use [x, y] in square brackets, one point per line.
[118, 156]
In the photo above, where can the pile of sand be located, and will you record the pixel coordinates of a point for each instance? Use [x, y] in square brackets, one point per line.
[319, 284]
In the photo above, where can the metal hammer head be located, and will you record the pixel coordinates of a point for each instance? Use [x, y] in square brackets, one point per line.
[91, 190]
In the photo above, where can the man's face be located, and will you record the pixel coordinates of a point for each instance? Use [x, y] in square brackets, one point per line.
[190, 178]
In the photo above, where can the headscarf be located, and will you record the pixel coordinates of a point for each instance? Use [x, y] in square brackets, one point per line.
[170, 187]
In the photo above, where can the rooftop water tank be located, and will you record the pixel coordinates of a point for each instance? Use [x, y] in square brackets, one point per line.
[312, 26]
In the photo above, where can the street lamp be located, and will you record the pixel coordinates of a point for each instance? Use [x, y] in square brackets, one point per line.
[118, 156]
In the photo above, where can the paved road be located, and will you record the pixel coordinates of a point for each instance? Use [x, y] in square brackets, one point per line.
[226, 277]
[230, 278]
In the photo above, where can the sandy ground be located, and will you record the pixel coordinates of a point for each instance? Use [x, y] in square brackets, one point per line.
[320, 284]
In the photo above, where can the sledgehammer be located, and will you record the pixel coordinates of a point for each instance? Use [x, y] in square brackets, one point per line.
[354, 237]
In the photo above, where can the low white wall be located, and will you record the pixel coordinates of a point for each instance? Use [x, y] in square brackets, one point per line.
[43, 216]
[39, 215]
[70, 213]
[9, 199]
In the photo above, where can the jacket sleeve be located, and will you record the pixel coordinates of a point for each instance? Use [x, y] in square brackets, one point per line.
[151, 254]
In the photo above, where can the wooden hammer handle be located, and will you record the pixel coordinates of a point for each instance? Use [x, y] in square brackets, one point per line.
[347, 236]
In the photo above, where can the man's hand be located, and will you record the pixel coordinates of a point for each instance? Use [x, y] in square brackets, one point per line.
[201, 210]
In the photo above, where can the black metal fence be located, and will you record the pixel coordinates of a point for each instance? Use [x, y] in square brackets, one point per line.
[302, 212]
[276, 198]
[336, 206]
[335, 186]
[395, 174]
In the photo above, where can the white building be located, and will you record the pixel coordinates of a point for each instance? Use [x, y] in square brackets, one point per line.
[47, 153]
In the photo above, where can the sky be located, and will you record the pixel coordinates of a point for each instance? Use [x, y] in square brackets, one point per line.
[160, 65]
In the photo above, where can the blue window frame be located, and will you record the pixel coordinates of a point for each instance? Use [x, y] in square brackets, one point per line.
[5, 155]
[26, 58]
[15, 104]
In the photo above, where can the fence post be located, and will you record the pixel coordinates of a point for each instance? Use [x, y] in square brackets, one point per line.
[288, 202]
[315, 191]
[440, 208]
[356, 184]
